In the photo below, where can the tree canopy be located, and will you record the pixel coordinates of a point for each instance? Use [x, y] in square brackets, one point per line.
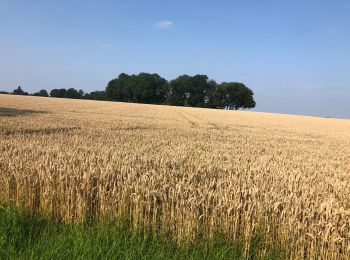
[189, 91]
[142, 88]
[67, 93]
[233, 95]
[96, 95]
[41, 93]
[185, 90]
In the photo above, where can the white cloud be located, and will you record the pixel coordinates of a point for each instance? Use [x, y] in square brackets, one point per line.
[165, 24]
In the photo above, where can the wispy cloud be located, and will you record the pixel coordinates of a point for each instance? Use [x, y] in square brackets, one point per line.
[166, 24]
[102, 44]
[105, 45]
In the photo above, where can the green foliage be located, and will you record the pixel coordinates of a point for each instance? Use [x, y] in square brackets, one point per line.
[142, 88]
[234, 95]
[96, 95]
[31, 236]
[41, 93]
[59, 93]
[72, 93]
[185, 90]
[189, 91]
[67, 93]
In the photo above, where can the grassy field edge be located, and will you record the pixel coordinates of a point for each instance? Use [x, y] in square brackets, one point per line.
[26, 235]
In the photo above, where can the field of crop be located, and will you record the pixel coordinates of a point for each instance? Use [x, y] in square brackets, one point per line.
[189, 172]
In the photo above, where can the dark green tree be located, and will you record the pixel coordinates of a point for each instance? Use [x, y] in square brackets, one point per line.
[117, 89]
[190, 91]
[41, 93]
[59, 93]
[236, 95]
[96, 95]
[54, 93]
[141, 88]
[72, 93]
[216, 95]
[200, 91]
[178, 91]
[148, 88]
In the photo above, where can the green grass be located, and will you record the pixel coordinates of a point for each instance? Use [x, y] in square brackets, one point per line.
[31, 236]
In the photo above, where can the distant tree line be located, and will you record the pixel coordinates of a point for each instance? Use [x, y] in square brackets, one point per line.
[185, 90]
[62, 93]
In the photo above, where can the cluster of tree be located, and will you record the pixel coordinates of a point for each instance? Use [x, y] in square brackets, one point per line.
[195, 91]
[62, 93]
[67, 93]
[141, 88]
[20, 91]
[96, 95]
[41, 93]
[78, 94]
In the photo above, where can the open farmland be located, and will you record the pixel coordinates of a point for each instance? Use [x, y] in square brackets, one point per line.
[187, 171]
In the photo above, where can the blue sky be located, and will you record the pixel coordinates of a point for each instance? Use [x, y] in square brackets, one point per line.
[295, 55]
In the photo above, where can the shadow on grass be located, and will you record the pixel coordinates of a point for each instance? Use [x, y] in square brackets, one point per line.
[13, 112]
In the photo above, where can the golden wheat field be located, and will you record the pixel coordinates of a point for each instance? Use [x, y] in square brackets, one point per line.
[189, 171]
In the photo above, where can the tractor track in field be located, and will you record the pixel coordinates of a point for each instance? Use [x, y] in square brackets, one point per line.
[196, 121]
